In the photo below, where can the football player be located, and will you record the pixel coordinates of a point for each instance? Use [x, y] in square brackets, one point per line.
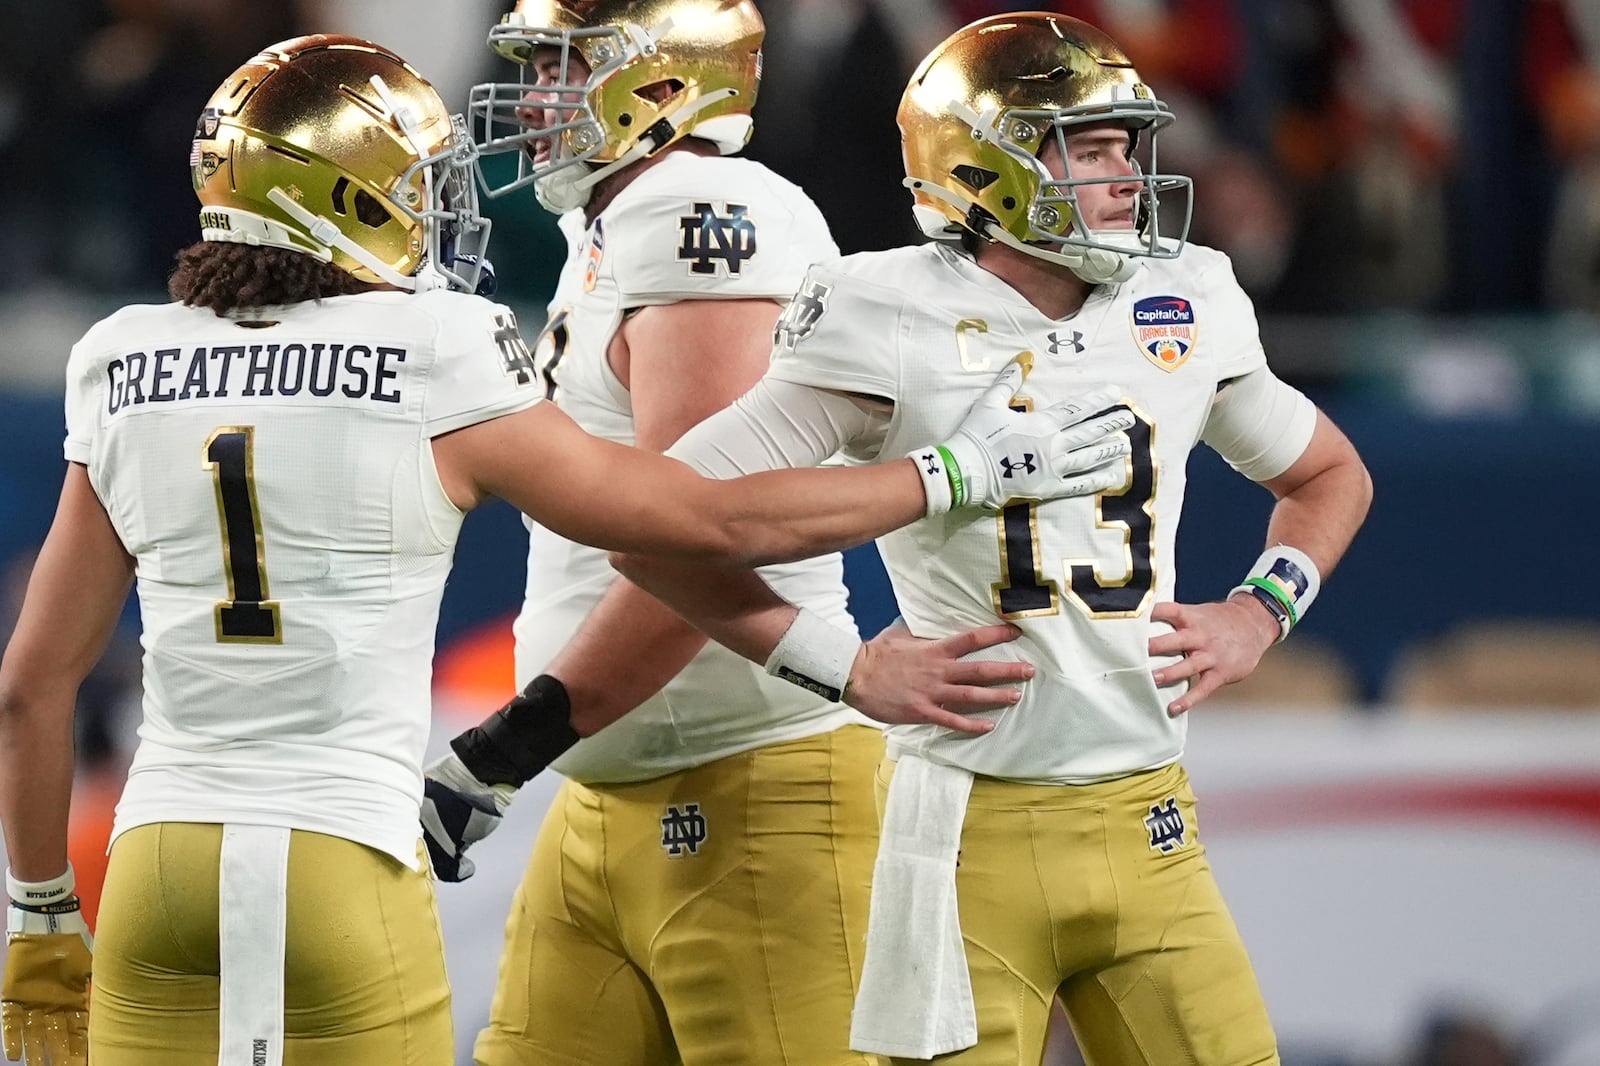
[1056, 855]
[281, 459]
[698, 890]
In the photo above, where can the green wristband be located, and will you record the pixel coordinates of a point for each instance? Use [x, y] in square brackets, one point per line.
[1273, 589]
[958, 485]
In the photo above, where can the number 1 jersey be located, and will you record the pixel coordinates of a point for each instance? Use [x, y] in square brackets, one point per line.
[273, 479]
[927, 329]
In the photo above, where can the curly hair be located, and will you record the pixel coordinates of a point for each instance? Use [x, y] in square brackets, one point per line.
[230, 277]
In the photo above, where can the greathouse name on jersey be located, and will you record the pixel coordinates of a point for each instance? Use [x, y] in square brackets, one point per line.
[174, 375]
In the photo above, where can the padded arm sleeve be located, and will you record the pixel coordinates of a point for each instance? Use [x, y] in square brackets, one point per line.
[1260, 424]
[778, 425]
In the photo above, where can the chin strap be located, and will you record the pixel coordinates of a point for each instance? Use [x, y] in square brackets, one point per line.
[1097, 266]
[324, 231]
[571, 187]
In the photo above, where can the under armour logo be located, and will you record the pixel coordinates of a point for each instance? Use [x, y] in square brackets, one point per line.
[709, 238]
[932, 459]
[1011, 466]
[683, 830]
[1076, 340]
[514, 353]
[1166, 826]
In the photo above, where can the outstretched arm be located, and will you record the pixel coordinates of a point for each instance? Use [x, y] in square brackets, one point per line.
[624, 499]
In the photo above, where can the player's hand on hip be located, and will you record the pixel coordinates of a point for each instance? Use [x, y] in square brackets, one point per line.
[1071, 448]
[1220, 643]
[901, 679]
[458, 810]
[44, 997]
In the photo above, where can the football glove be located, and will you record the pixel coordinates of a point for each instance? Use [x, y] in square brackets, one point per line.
[997, 454]
[458, 810]
[465, 793]
[44, 996]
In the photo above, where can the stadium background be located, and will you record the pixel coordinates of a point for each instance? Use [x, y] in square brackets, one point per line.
[1405, 805]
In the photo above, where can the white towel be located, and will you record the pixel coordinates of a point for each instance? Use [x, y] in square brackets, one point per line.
[253, 893]
[916, 993]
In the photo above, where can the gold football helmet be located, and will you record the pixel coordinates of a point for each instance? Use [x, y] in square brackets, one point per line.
[975, 117]
[659, 71]
[335, 147]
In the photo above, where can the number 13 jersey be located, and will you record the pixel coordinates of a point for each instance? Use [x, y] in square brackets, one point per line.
[927, 329]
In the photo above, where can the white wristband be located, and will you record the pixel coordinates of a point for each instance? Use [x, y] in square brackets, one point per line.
[816, 655]
[941, 479]
[1287, 576]
[39, 893]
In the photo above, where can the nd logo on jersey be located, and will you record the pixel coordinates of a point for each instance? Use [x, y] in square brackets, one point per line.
[1164, 328]
[710, 239]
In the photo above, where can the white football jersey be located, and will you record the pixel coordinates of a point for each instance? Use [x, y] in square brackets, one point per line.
[275, 485]
[689, 228]
[928, 329]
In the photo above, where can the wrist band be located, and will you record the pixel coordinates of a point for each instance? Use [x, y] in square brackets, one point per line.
[1279, 612]
[941, 478]
[816, 655]
[41, 893]
[1284, 578]
[522, 738]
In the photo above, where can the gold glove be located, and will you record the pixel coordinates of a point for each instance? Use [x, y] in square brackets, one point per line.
[44, 996]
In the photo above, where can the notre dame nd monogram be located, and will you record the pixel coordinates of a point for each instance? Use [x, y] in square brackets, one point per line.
[711, 240]
[1165, 823]
[514, 354]
[799, 319]
[683, 830]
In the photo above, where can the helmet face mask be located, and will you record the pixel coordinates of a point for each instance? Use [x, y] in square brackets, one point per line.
[1056, 215]
[657, 71]
[553, 154]
[981, 108]
[457, 236]
[351, 158]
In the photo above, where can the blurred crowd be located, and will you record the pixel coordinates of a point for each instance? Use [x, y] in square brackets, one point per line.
[1439, 155]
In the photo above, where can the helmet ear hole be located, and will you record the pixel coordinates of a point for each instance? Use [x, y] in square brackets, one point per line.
[370, 211]
[975, 178]
[658, 92]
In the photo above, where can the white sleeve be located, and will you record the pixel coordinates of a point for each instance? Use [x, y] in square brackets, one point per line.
[1230, 329]
[482, 368]
[841, 331]
[84, 401]
[777, 425]
[1260, 424]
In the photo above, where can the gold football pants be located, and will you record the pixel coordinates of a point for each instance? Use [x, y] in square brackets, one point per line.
[364, 977]
[1100, 894]
[713, 917]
